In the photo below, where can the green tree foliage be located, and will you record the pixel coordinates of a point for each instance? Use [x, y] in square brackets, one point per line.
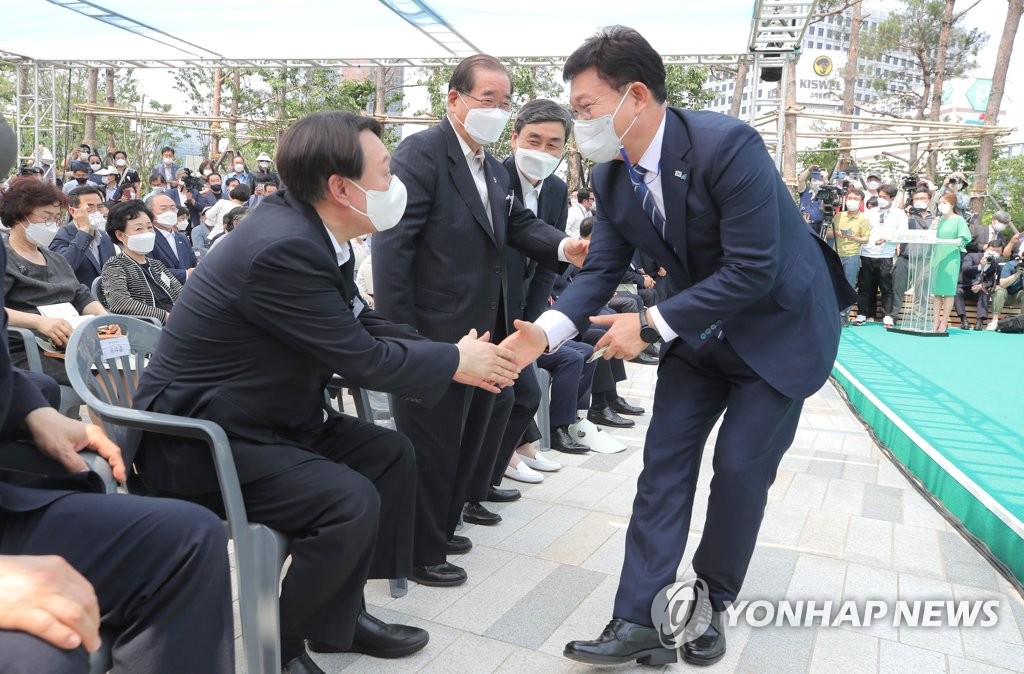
[685, 86]
[913, 26]
[825, 155]
[963, 159]
[1006, 185]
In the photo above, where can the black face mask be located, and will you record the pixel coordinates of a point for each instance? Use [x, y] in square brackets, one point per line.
[81, 181]
[215, 188]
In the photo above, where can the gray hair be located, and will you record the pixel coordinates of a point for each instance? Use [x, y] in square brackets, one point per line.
[1001, 216]
[542, 110]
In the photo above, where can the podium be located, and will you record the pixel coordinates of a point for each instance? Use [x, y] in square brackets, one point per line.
[917, 316]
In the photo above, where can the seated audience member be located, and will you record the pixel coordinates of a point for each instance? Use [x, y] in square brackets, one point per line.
[34, 275]
[152, 571]
[134, 284]
[1010, 288]
[231, 220]
[364, 280]
[201, 235]
[82, 242]
[978, 275]
[237, 196]
[251, 346]
[572, 380]
[172, 247]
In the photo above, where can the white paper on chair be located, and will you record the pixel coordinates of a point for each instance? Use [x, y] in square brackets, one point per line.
[115, 347]
[63, 310]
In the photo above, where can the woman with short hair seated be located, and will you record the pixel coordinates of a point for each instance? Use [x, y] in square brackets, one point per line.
[134, 284]
[36, 276]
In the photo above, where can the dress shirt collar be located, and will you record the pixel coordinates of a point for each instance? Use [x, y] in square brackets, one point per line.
[651, 159]
[467, 151]
[340, 251]
[528, 187]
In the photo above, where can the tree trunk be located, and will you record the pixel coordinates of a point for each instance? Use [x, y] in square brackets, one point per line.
[995, 100]
[850, 86]
[111, 95]
[379, 93]
[236, 89]
[789, 135]
[218, 82]
[940, 67]
[91, 85]
[737, 93]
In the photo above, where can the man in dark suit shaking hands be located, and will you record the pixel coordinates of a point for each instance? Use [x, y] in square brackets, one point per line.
[442, 271]
[270, 315]
[750, 329]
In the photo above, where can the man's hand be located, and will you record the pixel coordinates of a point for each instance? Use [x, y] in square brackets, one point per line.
[47, 598]
[623, 337]
[62, 439]
[662, 272]
[977, 288]
[648, 281]
[528, 342]
[576, 251]
[483, 364]
[879, 242]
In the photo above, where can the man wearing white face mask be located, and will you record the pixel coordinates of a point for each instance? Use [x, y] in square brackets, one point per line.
[269, 317]
[443, 272]
[172, 247]
[82, 242]
[874, 282]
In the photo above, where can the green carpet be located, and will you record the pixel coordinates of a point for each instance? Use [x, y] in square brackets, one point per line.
[952, 410]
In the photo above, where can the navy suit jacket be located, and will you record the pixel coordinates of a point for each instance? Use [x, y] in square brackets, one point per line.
[738, 254]
[442, 268]
[529, 285]
[194, 209]
[257, 333]
[74, 244]
[186, 256]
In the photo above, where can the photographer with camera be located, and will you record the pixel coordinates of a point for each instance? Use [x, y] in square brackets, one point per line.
[1010, 288]
[956, 183]
[978, 274]
[186, 194]
[982, 234]
[810, 201]
[851, 229]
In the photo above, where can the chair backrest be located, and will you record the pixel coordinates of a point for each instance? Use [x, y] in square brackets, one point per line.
[105, 381]
[97, 288]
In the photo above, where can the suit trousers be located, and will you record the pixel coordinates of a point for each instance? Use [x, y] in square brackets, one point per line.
[571, 380]
[694, 388]
[487, 433]
[526, 394]
[875, 276]
[349, 512]
[160, 571]
[963, 293]
[447, 450]
[608, 372]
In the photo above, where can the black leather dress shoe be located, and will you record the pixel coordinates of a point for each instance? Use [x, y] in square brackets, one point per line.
[607, 417]
[474, 513]
[645, 358]
[458, 545]
[708, 648]
[503, 495]
[619, 405]
[301, 665]
[562, 440]
[979, 325]
[439, 575]
[378, 639]
[620, 642]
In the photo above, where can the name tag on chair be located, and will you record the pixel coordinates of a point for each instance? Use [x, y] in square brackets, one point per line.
[115, 347]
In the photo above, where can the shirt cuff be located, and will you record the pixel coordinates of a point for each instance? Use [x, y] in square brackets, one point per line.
[667, 333]
[561, 250]
[558, 328]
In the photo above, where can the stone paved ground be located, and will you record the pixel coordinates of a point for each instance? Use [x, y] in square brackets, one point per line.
[841, 523]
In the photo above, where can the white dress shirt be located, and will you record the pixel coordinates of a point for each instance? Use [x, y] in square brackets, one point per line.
[169, 236]
[531, 193]
[576, 216]
[557, 325]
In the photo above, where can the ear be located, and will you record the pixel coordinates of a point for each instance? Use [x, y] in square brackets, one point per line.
[338, 190]
[453, 100]
[514, 140]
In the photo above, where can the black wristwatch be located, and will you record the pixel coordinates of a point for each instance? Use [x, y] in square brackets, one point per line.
[648, 332]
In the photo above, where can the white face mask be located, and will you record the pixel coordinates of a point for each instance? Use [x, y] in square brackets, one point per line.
[239, 168]
[485, 125]
[207, 172]
[921, 205]
[42, 233]
[816, 185]
[945, 208]
[596, 137]
[142, 243]
[121, 162]
[883, 203]
[167, 219]
[168, 161]
[384, 208]
[873, 184]
[536, 165]
[182, 226]
[264, 164]
[852, 205]
[97, 221]
[95, 167]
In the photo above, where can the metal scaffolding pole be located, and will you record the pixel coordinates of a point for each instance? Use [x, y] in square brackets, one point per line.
[36, 109]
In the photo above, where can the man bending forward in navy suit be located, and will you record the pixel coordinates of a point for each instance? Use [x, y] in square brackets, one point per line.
[750, 329]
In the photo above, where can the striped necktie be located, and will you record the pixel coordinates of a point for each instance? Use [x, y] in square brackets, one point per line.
[643, 193]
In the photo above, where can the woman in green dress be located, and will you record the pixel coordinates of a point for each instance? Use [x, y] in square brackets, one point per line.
[953, 235]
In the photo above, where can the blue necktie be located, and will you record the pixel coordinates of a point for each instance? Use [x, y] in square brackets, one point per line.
[643, 193]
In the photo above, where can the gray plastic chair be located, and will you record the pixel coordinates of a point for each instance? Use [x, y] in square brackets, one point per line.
[259, 550]
[97, 290]
[70, 402]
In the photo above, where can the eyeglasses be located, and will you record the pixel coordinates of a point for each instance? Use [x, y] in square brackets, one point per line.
[505, 105]
[584, 111]
[45, 217]
[88, 208]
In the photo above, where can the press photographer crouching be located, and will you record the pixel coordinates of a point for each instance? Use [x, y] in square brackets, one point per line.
[978, 275]
[1009, 289]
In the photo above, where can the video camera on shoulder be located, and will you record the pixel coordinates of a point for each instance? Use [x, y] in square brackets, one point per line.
[192, 182]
